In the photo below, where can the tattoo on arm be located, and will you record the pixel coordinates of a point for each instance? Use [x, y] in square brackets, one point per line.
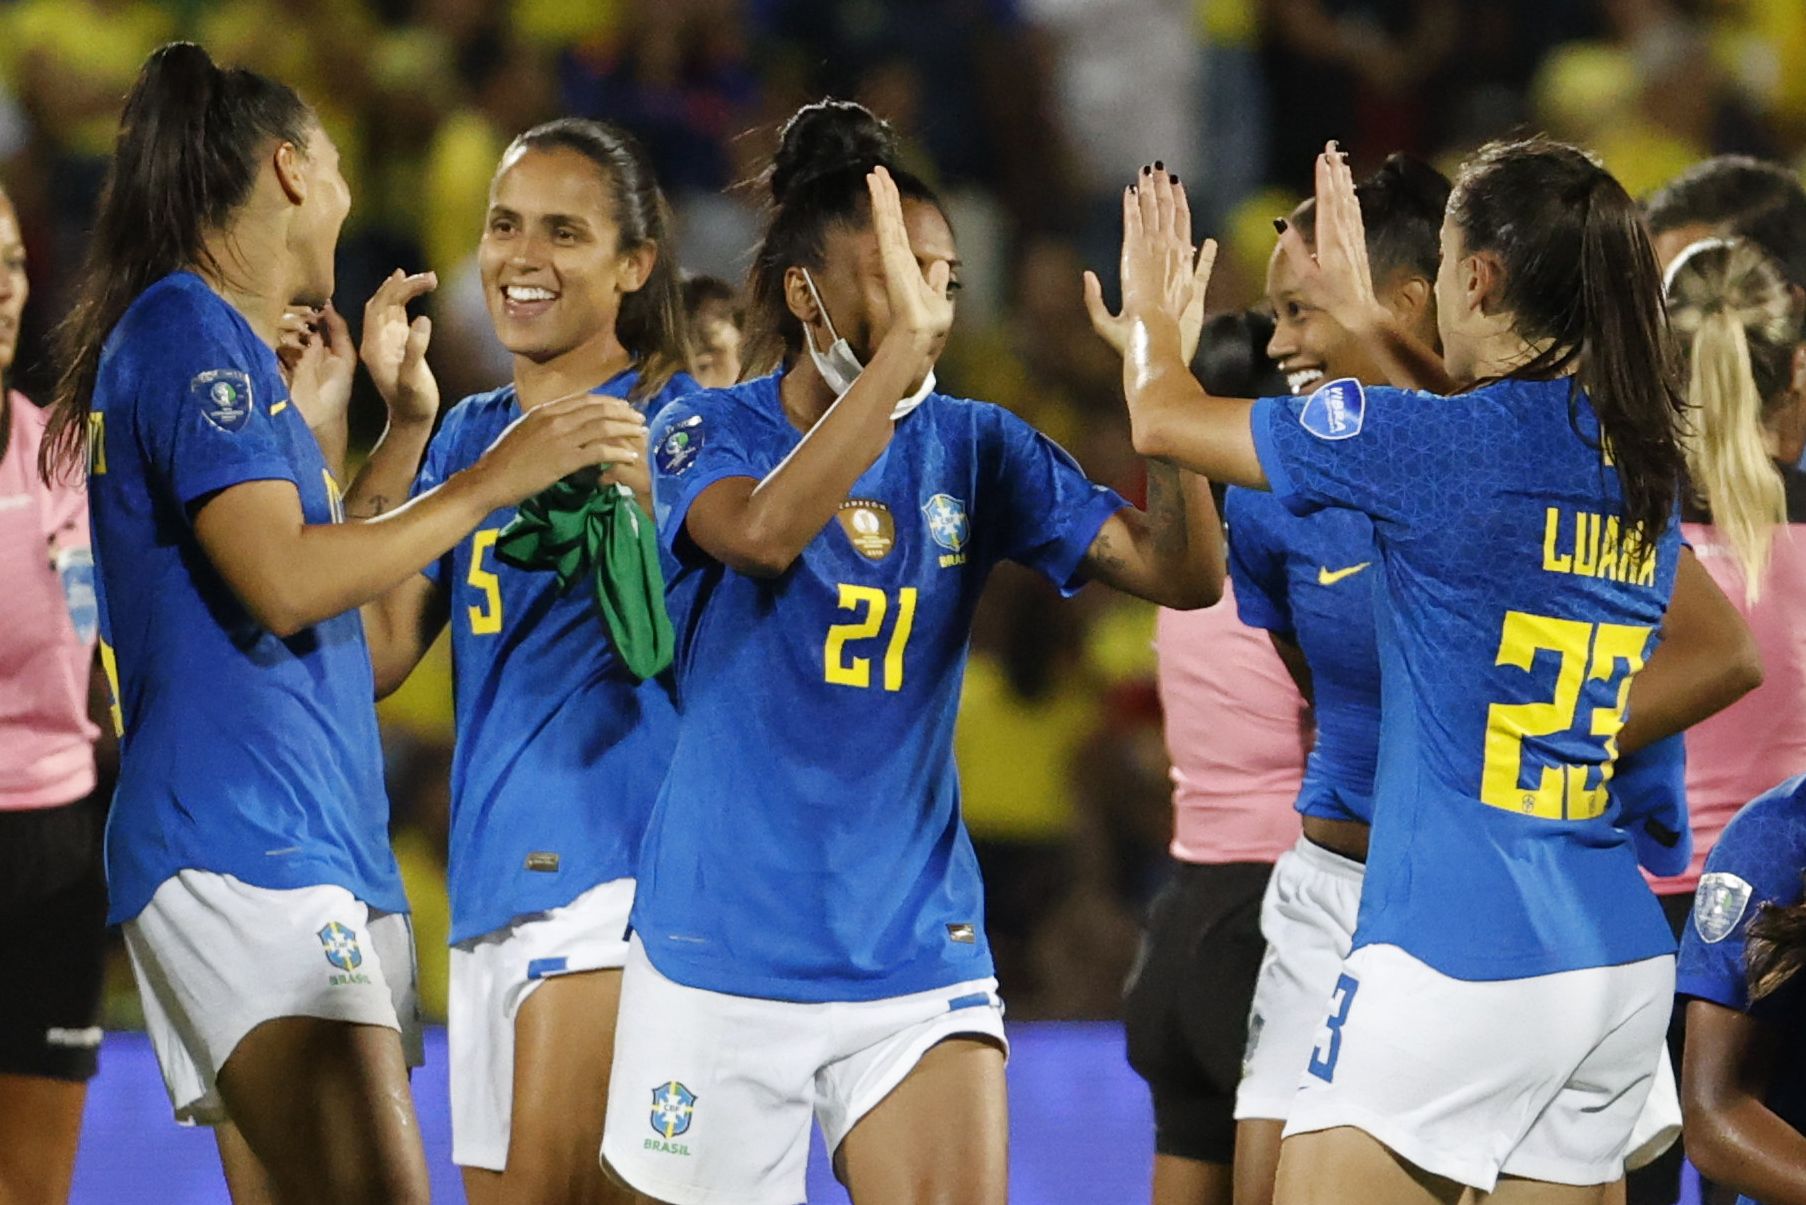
[370, 508]
[1166, 514]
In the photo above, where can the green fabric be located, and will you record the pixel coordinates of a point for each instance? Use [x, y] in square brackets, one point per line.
[580, 527]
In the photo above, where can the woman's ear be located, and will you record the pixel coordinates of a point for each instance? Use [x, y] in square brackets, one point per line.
[636, 267]
[287, 161]
[1408, 298]
[798, 298]
[1482, 279]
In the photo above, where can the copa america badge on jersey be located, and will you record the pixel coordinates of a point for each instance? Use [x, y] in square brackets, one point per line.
[224, 395]
[1335, 410]
[677, 450]
[1718, 904]
[869, 526]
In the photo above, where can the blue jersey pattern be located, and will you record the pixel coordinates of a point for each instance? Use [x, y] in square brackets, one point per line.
[1757, 863]
[1514, 617]
[1310, 579]
[808, 844]
[560, 751]
[243, 754]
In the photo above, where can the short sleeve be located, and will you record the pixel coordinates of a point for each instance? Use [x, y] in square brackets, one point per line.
[1755, 863]
[693, 447]
[204, 409]
[1039, 508]
[1375, 450]
[435, 467]
[1257, 563]
[1650, 787]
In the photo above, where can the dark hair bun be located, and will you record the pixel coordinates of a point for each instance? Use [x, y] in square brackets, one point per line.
[825, 138]
[1405, 182]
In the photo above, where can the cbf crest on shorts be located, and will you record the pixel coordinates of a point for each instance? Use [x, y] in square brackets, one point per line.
[224, 395]
[341, 946]
[1718, 904]
[673, 1105]
[1335, 410]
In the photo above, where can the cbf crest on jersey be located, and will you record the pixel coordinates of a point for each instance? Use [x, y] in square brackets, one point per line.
[224, 395]
[1718, 904]
[869, 526]
[341, 946]
[1335, 410]
[673, 1105]
[677, 450]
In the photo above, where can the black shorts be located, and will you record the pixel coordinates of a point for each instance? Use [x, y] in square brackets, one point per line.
[53, 918]
[1186, 1008]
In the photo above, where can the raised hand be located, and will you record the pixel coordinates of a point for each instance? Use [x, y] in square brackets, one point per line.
[919, 302]
[394, 349]
[314, 348]
[1162, 275]
[557, 439]
[1337, 278]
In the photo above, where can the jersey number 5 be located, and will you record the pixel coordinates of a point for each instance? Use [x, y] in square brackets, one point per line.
[485, 620]
[1607, 652]
[872, 605]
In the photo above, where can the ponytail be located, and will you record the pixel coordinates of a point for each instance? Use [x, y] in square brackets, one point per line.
[187, 154]
[1774, 948]
[1581, 280]
[1734, 308]
[1627, 359]
[652, 323]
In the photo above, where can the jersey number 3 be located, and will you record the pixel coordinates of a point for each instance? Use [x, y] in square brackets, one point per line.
[871, 605]
[1607, 652]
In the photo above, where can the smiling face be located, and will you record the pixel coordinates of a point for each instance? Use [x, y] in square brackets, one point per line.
[13, 287]
[553, 270]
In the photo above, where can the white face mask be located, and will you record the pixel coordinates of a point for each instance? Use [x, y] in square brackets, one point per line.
[839, 367]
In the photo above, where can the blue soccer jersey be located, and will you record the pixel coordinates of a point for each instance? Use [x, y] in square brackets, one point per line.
[1310, 579]
[243, 753]
[808, 844]
[1515, 615]
[560, 751]
[1756, 864]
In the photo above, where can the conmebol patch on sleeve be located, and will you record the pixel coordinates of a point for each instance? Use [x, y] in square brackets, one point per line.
[1335, 410]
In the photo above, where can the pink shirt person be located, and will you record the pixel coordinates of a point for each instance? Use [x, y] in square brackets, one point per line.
[1759, 740]
[47, 642]
[1236, 733]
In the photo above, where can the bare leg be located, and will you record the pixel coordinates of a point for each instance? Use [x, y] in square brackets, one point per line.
[1514, 1191]
[1180, 1181]
[1256, 1159]
[246, 1180]
[564, 1043]
[324, 1107]
[1333, 1167]
[40, 1124]
[940, 1138]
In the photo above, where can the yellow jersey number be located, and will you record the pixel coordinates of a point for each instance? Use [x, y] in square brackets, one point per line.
[485, 620]
[1609, 652]
[109, 665]
[871, 605]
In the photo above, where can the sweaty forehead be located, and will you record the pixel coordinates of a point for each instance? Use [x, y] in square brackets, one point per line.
[551, 180]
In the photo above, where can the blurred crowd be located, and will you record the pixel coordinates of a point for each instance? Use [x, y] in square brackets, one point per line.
[1027, 115]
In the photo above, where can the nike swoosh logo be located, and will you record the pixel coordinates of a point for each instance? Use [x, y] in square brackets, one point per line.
[1329, 577]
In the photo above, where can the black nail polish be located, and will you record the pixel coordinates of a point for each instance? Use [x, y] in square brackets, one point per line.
[1172, 177]
[1159, 166]
[1279, 224]
[1146, 170]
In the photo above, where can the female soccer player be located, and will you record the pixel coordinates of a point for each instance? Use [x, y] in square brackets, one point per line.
[247, 851]
[1527, 549]
[53, 899]
[808, 937]
[1745, 1065]
[560, 747]
[1306, 580]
